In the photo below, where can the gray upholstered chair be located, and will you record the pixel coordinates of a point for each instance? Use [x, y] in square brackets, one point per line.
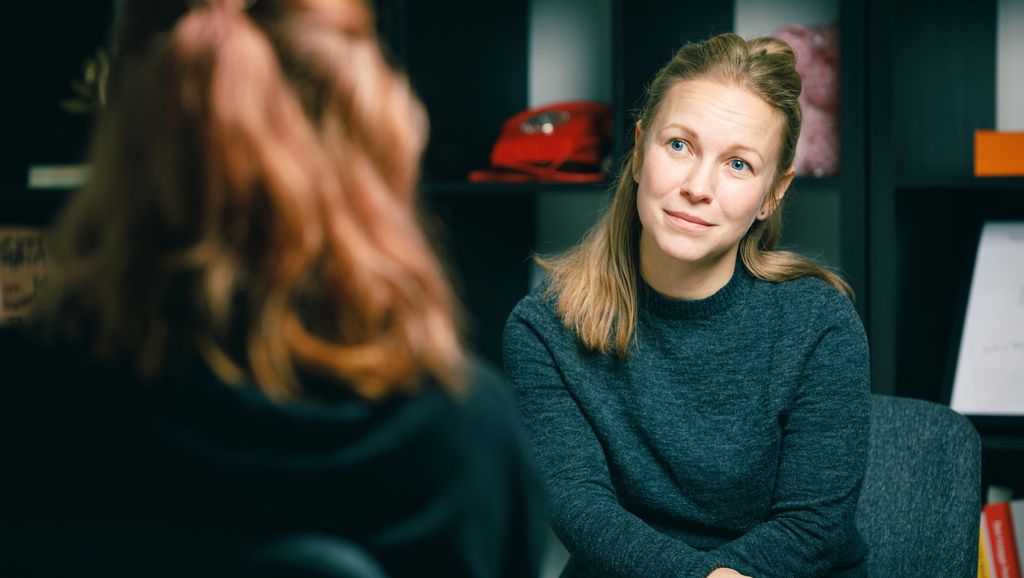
[921, 503]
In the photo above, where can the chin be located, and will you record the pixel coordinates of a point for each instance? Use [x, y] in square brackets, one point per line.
[684, 252]
[694, 253]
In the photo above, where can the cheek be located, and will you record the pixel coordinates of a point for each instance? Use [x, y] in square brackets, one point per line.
[655, 176]
[644, 191]
[743, 204]
[644, 204]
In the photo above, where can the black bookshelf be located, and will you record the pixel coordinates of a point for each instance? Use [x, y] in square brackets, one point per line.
[469, 65]
[45, 48]
[931, 83]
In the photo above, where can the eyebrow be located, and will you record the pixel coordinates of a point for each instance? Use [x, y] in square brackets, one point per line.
[735, 147]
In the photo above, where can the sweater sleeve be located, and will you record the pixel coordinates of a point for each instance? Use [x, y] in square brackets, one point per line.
[585, 511]
[824, 451]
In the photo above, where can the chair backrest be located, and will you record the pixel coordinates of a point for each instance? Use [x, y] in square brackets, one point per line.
[920, 506]
[59, 551]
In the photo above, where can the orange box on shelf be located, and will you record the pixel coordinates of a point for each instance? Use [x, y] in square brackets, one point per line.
[998, 153]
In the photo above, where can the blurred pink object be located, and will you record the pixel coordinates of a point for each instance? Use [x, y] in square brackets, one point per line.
[817, 61]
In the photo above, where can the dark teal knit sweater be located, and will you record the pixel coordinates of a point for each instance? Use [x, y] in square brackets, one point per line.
[734, 434]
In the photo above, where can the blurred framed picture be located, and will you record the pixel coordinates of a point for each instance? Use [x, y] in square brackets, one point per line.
[23, 265]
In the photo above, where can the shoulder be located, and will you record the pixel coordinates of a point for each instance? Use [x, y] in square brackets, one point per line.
[488, 395]
[809, 291]
[486, 433]
[481, 416]
[488, 473]
[447, 438]
[806, 308]
[808, 301]
[483, 405]
[535, 317]
[535, 331]
[538, 306]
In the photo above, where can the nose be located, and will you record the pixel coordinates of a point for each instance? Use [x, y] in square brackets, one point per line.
[698, 183]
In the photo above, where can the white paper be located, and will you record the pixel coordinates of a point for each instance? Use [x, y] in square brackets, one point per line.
[990, 366]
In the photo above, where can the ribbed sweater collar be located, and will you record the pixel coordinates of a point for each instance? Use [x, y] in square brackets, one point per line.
[672, 308]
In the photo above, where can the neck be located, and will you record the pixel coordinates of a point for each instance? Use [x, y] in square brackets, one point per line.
[685, 280]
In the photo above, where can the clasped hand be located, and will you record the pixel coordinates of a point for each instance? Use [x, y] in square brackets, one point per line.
[726, 573]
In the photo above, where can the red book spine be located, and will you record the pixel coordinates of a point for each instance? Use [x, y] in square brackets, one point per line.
[1004, 546]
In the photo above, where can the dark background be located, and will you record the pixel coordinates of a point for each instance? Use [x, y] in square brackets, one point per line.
[917, 78]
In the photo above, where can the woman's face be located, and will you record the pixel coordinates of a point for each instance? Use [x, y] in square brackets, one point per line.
[708, 161]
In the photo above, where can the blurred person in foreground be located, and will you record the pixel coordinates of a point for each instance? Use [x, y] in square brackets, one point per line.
[246, 329]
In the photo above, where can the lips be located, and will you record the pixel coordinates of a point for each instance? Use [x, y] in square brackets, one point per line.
[688, 219]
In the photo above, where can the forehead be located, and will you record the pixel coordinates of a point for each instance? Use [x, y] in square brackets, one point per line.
[721, 113]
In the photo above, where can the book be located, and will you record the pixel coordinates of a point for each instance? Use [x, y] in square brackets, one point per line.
[1017, 518]
[999, 524]
[57, 176]
[998, 153]
[984, 552]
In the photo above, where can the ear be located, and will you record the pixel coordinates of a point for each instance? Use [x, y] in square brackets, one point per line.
[773, 200]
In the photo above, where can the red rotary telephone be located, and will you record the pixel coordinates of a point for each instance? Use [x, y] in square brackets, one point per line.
[560, 142]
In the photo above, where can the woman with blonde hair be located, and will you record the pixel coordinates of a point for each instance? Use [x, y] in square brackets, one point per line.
[246, 327]
[697, 399]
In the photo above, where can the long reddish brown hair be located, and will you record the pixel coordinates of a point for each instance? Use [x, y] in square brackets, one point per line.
[251, 205]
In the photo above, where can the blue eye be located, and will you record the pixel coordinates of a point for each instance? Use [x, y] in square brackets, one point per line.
[738, 165]
[677, 145]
